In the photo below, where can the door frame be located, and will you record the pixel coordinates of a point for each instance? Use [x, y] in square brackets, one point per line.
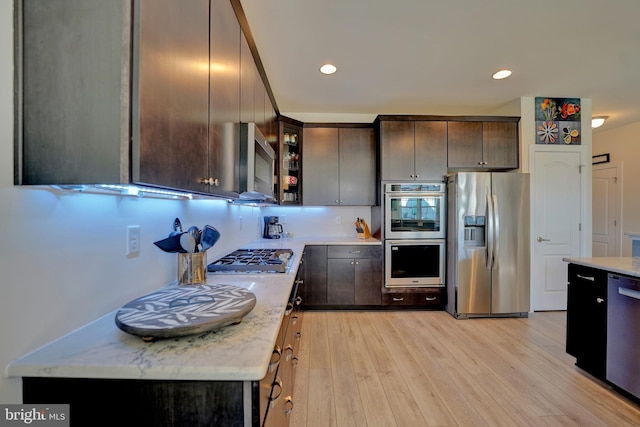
[619, 217]
[585, 200]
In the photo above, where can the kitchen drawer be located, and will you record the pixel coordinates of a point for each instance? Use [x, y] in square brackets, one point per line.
[354, 251]
[431, 297]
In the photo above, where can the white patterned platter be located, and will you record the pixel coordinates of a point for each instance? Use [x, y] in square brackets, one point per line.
[185, 311]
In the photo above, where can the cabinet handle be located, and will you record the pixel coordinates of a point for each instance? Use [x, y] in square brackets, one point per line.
[288, 352]
[210, 181]
[298, 335]
[288, 405]
[430, 298]
[298, 300]
[599, 300]
[357, 262]
[294, 320]
[272, 399]
[398, 299]
[417, 176]
[274, 363]
[354, 252]
[289, 309]
[295, 361]
[337, 201]
[589, 278]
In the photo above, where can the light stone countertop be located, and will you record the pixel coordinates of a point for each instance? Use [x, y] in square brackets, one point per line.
[622, 265]
[234, 353]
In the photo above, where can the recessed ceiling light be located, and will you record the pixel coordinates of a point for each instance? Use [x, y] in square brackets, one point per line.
[596, 122]
[502, 74]
[328, 69]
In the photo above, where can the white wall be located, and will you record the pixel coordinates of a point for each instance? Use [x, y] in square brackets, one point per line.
[623, 145]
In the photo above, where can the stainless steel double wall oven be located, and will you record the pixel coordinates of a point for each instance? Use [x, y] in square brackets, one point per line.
[414, 234]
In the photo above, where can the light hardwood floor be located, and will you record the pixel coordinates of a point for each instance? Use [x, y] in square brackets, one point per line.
[424, 368]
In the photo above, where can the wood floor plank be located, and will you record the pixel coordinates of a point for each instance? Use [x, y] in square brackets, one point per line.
[423, 345]
[421, 368]
[376, 406]
[405, 409]
[434, 411]
[348, 405]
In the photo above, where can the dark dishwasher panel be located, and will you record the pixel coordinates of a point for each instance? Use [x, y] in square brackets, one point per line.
[623, 333]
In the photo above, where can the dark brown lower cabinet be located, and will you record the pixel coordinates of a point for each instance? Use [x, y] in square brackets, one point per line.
[343, 276]
[156, 403]
[285, 359]
[432, 298]
[587, 319]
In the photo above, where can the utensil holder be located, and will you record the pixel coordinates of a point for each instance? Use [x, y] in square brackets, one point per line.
[192, 268]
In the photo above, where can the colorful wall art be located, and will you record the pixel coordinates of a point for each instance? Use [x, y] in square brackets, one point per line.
[558, 121]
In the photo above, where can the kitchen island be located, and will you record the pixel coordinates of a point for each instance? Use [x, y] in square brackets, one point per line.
[217, 372]
[602, 319]
[629, 266]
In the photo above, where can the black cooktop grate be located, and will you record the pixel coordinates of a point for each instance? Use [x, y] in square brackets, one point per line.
[253, 260]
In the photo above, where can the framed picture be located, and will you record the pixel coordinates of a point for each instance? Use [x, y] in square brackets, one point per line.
[558, 121]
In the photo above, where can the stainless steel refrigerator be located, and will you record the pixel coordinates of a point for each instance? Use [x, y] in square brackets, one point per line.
[488, 244]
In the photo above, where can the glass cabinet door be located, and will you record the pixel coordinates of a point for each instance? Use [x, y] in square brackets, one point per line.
[289, 186]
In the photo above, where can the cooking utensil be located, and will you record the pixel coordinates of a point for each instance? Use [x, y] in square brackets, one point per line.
[188, 242]
[209, 237]
[171, 244]
[195, 232]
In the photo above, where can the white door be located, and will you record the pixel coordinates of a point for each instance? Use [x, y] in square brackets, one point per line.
[606, 212]
[555, 225]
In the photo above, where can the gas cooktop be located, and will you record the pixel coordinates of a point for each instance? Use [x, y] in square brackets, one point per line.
[253, 261]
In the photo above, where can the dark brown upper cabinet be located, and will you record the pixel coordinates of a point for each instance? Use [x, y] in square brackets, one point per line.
[413, 150]
[478, 145]
[339, 165]
[147, 92]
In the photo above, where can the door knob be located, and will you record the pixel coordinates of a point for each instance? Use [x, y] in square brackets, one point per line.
[540, 239]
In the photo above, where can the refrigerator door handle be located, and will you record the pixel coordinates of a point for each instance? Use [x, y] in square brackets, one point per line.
[490, 224]
[496, 235]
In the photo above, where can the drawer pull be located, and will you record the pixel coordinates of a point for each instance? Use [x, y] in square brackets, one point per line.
[274, 363]
[289, 309]
[274, 397]
[288, 405]
[599, 300]
[430, 298]
[398, 298]
[589, 278]
[354, 252]
[288, 352]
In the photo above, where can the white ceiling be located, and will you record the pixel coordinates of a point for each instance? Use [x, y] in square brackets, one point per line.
[437, 57]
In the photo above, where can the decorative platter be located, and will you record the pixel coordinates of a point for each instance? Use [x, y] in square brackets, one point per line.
[185, 310]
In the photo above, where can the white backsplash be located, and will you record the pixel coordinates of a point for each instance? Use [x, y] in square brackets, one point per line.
[330, 221]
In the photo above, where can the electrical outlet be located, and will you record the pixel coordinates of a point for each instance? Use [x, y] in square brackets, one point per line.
[338, 220]
[133, 239]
